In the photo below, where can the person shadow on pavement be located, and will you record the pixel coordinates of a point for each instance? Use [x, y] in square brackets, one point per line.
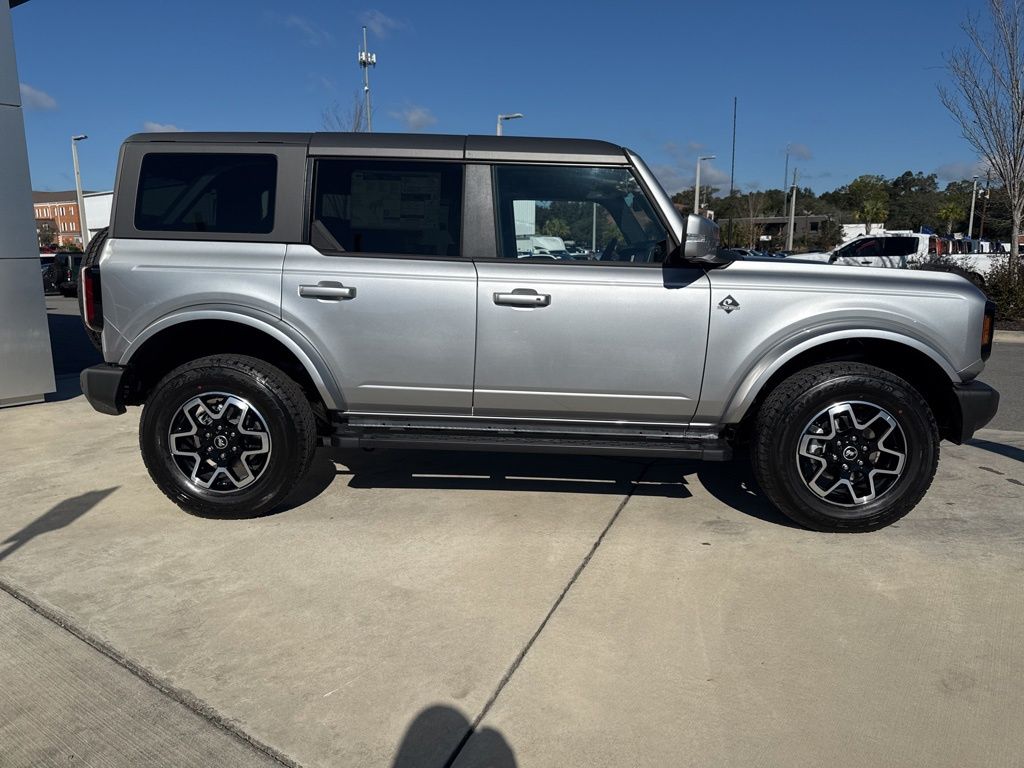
[57, 517]
[428, 742]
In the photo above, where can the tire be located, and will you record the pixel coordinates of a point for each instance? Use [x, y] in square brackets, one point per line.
[92, 254]
[875, 417]
[253, 411]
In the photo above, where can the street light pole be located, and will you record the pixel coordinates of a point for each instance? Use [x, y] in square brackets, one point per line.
[984, 205]
[696, 185]
[503, 118]
[785, 175]
[792, 215]
[78, 189]
[974, 198]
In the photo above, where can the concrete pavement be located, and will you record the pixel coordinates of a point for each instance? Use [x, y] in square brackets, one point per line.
[584, 611]
[64, 703]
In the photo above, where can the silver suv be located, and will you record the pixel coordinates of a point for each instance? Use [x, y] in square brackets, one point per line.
[263, 294]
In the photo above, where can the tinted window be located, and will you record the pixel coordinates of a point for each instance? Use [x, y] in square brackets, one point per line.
[576, 214]
[866, 247]
[206, 193]
[900, 246]
[367, 206]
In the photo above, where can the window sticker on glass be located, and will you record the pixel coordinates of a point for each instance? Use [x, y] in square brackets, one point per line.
[396, 200]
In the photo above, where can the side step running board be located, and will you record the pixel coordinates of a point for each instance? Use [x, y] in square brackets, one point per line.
[710, 448]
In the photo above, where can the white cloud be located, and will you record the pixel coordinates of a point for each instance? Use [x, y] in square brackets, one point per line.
[33, 98]
[313, 34]
[680, 173]
[957, 171]
[379, 23]
[415, 118]
[150, 127]
[800, 152]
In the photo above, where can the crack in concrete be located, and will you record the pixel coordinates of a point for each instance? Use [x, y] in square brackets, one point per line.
[183, 697]
[551, 612]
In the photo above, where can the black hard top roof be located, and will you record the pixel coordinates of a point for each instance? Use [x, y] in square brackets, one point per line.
[420, 145]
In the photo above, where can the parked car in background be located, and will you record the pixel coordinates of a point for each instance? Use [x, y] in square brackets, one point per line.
[49, 273]
[542, 245]
[905, 250]
[65, 270]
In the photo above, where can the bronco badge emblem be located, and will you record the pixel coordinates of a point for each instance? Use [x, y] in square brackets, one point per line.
[728, 304]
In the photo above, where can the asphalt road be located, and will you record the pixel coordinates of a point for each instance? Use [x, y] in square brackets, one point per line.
[1005, 372]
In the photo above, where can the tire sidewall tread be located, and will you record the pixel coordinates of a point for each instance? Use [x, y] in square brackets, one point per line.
[789, 407]
[281, 402]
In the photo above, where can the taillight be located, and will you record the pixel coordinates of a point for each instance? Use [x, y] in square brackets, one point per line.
[92, 304]
[988, 329]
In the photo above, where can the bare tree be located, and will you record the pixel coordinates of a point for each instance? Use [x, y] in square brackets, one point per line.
[338, 118]
[987, 100]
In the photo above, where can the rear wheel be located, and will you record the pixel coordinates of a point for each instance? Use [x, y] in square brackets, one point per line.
[845, 447]
[227, 436]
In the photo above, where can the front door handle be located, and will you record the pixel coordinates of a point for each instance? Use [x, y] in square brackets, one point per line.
[327, 290]
[523, 297]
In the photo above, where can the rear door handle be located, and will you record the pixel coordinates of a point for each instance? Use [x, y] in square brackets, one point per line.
[523, 297]
[327, 290]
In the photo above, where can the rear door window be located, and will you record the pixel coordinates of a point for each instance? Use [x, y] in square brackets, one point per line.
[387, 207]
[206, 192]
[900, 246]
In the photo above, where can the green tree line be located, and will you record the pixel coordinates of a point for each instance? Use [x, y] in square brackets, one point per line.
[909, 201]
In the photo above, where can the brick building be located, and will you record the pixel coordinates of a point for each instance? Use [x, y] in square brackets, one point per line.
[57, 216]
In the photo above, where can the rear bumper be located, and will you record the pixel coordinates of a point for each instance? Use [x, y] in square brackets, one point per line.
[978, 404]
[103, 387]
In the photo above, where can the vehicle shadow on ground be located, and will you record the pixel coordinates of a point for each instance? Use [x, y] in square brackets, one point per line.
[57, 517]
[732, 483]
[428, 741]
[1009, 451]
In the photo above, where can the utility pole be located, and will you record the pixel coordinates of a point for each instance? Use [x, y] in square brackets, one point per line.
[367, 60]
[593, 231]
[503, 118]
[732, 169]
[785, 176]
[696, 185]
[974, 198]
[78, 189]
[984, 205]
[792, 215]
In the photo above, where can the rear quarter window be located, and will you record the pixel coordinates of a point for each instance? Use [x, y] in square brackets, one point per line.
[206, 192]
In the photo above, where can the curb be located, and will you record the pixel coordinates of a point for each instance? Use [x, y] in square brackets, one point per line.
[1010, 337]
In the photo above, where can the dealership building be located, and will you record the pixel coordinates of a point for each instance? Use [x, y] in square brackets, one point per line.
[26, 367]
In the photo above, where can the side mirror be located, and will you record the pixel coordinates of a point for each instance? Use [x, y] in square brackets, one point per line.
[702, 239]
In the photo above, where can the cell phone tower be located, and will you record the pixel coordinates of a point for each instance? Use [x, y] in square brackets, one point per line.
[367, 60]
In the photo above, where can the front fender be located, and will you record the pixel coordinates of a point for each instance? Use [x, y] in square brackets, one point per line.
[295, 342]
[750, 385]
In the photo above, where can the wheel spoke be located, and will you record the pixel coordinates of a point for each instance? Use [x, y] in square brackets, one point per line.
[219, 442]
[851, 453]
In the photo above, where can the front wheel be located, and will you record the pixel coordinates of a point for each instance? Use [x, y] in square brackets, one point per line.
[845, 447]
[227, 436]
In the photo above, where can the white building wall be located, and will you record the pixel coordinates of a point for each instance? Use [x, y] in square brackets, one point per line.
[26, 368]
[97, 211]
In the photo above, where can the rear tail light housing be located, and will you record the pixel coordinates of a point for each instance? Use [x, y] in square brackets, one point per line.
[988, 329]
[92, 301]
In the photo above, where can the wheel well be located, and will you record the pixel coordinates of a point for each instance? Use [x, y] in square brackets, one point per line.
[190, 340]
[915, 367]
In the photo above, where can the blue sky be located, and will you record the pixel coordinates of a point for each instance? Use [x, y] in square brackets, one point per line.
[851, 86]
